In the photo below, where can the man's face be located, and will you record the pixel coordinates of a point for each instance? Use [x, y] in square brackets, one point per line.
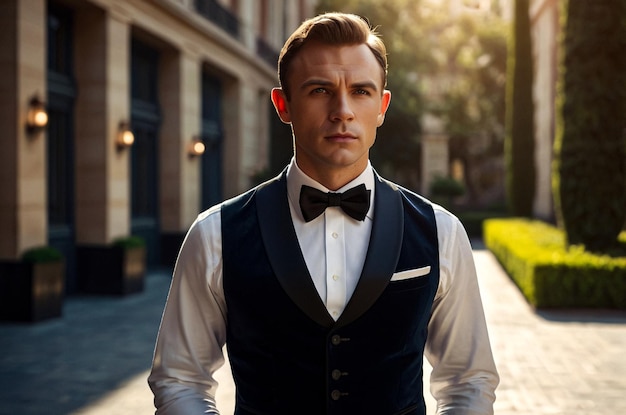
[337, 102]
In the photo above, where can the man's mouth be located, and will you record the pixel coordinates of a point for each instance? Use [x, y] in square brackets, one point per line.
[341, 137]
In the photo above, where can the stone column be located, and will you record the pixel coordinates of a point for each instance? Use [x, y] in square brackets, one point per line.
[253, 154]
[23, 200]
[435, 152]
[545, 34]
[102, 170]
[247, 13]
[179, 175]
[233, 110]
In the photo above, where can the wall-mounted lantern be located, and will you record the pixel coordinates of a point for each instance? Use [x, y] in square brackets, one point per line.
[196, 147]
[125, 137]
[37, 116]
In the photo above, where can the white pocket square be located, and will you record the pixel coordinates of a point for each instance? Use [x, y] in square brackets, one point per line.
[410, 273]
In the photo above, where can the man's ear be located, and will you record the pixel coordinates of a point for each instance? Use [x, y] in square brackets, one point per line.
[384, 106]
[280, 103]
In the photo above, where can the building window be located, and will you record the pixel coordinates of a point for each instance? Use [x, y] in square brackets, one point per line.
[60, 41]
[219, 15]
[61, 94]
[263, 48]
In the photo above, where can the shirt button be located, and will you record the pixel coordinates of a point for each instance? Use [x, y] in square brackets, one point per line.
[335, 395]
[335, 235]
[336, 374]
[335, 277]
[336, 340]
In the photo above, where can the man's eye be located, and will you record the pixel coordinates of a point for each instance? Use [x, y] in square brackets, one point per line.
[319, 91]
[362, 92]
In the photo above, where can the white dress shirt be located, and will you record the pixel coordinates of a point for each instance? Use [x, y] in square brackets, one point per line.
[326, 236]
[193, 328]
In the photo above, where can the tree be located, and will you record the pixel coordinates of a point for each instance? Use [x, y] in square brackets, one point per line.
[397, 23]
[520, 139]
[589, 170]
[450, 65]
[473, 104]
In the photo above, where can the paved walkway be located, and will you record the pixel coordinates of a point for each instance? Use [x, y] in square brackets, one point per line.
[95, 360]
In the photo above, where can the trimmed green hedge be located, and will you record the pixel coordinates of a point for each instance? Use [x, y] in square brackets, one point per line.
[549, 274]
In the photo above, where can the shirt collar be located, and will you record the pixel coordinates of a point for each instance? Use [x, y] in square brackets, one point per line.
[296, 178]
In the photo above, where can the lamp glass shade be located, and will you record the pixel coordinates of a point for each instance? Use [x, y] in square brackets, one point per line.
[127, 138]
[37, 117]
[197, 148]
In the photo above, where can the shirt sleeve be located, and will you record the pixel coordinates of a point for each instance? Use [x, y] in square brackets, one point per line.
[464, 376]
[193, 327]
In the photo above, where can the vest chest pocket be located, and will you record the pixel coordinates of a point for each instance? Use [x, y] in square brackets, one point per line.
[411, 279]
[410, 273]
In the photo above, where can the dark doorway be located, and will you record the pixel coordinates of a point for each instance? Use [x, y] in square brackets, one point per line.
[60, 140]
[212, 135]
[145, 121]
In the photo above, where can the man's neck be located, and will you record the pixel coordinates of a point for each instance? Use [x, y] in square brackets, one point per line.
[334, 179]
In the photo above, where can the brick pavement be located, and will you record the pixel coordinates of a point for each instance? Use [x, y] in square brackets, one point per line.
[95, 359]
[59, 366]
[552, 362]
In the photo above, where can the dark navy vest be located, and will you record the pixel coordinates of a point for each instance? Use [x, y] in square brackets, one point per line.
[288, 356]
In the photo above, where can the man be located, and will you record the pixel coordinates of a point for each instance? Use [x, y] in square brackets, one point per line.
[326, 310]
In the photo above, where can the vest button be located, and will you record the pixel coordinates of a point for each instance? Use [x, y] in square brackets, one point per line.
[335, 395]
[336, 340]
[336, 374]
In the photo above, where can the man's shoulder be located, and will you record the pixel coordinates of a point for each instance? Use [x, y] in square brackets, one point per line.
[215, 211]
[408, 194]
[245, 200]
[442, 215]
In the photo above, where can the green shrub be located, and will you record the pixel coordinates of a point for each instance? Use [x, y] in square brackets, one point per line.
[549, 273]
[443, 190]
[129, 242]
[41, 254]
[446, 187]
[589, 169]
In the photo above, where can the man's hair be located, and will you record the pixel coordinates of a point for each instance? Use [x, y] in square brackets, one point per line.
[335, 29]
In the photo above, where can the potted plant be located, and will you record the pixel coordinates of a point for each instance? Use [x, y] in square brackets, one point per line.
[115, 269]
[32, 289]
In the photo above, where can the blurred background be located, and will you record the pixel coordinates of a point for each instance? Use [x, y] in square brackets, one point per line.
[123, 119]
[152, 111]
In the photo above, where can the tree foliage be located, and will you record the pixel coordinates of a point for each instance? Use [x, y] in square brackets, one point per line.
[395, 22]
[472, 105]
[520, 138]
[589, 171]
[449, 65]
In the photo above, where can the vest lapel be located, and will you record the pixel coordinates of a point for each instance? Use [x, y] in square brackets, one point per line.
[382, 254]
[283, 250]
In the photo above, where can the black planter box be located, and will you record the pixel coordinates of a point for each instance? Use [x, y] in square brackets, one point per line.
[31, 292]
[111, 270]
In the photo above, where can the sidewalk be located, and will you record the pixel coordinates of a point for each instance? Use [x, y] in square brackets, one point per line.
[552, 362]
[95, 360]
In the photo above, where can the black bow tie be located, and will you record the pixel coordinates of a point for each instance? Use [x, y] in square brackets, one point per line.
[355, 202]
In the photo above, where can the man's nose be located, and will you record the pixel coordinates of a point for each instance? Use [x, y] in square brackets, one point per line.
[341, 109]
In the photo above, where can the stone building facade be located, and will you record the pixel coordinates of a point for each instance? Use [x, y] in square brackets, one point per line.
[172, 72]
